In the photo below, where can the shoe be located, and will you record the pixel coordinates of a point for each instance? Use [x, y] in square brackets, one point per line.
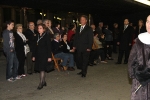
[71, 69]
[80, 73]
[118, 63]
[10, 80]
[30, 73]
[90, 64]
[44, 84]
[18, 78]
[83, 75]
[23, 75]
[104, 62]
[40, 87]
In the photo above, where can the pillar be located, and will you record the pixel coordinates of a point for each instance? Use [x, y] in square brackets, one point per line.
[13, 14]
[21, 16]
[1, 19]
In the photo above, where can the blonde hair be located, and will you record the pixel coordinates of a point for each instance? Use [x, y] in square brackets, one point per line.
[18, 25]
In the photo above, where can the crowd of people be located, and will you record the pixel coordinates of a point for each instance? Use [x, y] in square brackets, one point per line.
[81, 46]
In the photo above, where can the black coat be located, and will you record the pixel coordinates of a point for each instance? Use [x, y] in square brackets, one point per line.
[48, 31]
[19, 45]
[56, 47]
[64, 47]
[55, 30]
[42, 52]
[30, 36]
[83, 40]
[125, 38]
[137, 31]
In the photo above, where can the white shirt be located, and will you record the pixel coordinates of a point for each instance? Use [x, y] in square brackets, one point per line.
[67, 46]
[82, 27]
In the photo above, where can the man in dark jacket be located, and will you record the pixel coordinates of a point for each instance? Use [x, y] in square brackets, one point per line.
[9, 50]
[83, 44]
[30, 35]
[125, 41]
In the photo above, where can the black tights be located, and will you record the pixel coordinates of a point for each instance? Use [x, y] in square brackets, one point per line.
[42, 77]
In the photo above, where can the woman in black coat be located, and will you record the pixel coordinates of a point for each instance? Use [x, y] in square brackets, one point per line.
[20, 42]
[42, 53]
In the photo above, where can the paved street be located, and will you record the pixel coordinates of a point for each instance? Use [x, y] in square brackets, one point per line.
[103, 82]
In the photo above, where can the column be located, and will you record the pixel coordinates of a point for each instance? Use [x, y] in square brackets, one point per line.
[13, 14]
[1, 19]
[21, 16]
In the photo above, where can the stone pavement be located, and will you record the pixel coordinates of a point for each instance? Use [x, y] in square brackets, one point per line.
[103, 82]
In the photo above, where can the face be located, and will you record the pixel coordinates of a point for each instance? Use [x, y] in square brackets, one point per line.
[58, 25]
[93, 27]
[116, 26]
[31, 26]
[47, 24]
[140, 23]
[57, 37]
[63, 28]
[20, 29]
[102, 36]
[148, 24]
[65, 37]
[83, 21]
[126, 22]
[10, 26]
[101, 24]
[40, 29]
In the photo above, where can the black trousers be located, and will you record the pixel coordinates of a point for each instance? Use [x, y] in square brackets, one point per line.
[82, 61]
[115, 45]
[30, 63]
[21, 60]
[121, 53]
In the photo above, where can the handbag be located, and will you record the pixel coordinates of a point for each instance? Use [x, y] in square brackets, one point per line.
[27, 49]
[50, 67]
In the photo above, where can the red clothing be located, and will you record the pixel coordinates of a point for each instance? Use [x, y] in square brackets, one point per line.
[69, 35]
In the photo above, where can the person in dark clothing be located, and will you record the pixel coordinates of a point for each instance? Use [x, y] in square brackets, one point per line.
[115, 37]
[108, 41]
[83, 44]
[58, 52]
[30, 35]
[20, 42]
[125, 42]
[49, 30]
[140, 29]
[67, 49]
[9, 50]
[41, 53]
[99, 29]
[57, 29]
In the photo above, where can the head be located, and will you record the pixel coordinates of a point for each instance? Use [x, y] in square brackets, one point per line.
[115, 25]
[19, 28]
[148, 24]
[95, 34]
[46, 22]
[57, 36]
[64, 37]
[141, 23]
[10, 24]
[57, 25]
[93, 26]
[63, 28]
[72, 27]
[67, 25]
[39, 21]
[101, 24]
[126, 22]
[31, 25]
[83, 20]
[41, 28]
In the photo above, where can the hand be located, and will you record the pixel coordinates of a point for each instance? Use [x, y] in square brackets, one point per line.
[130, 44]
[118, 43]
[33, 59]
[11, 50]
[88, 50]
[49, 59]
[26, 39]
[72, 50]
[107, 46]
